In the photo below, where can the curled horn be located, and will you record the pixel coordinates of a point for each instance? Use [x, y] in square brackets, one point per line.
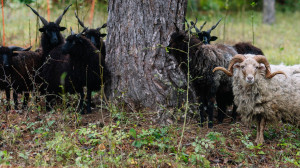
[103, 26]
[263, 59]
[58, 20]
[44, 21]
[79, 21]
[72, 33]
[237, 58]
[79, 34]
[213, 27]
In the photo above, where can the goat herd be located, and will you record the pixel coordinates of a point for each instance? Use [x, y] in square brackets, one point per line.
[257, 94]
[74, 63]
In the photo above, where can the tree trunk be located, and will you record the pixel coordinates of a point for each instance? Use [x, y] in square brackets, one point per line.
[143, 73]
[269, 11]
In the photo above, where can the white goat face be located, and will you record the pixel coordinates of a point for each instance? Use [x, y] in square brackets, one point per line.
[249, 69]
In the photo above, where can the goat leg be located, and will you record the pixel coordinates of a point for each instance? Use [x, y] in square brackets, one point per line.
[202, 118]
[25, 101]
[7, 92]
[210, 111]
[88, 97]
[234, 113]
[258, 131]
[15, 96]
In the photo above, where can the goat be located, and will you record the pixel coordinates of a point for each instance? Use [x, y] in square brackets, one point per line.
[18, 71]
[202, 59]
[260, 95]
[51, 36]
[79, 59]
[95, 36]
[209, 87]
[205, 36]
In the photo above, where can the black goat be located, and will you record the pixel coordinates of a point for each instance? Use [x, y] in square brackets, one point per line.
[205, 36]
[51, 36]
[247, 48]
[78, 57]
[95, 36]
[18, 71]
[209, 86]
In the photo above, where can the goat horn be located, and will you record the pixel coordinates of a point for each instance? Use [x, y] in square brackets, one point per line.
[194, 25]
[237, 58]
[103, 26]
[213, 27]
[176, 27]
[79, 21]
[224, 70]
[79, 34]
[262, 59]
[58, 20]
[44, 21]
[72, 33]
[202, 26]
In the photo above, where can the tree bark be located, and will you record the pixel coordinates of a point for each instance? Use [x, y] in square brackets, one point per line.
[269, 11]
[143, 73]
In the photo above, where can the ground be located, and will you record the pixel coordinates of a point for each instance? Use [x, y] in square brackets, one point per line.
[115, 137]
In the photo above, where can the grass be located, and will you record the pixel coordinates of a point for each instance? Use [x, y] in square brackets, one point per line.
[113, 136]
[21, 31]
[279, 41]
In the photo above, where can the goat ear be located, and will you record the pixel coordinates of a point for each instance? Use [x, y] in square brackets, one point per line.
[262, 67]
[62, 28]
[41, 29]
[102, 35]
[213, 38]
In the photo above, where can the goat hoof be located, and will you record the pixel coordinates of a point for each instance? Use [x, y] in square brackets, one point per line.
[210, 125]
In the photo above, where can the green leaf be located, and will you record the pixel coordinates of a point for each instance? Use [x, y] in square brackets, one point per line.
[261, 153]
[132, 132]
[137, 144]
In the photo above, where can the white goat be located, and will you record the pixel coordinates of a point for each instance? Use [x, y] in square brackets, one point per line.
[260, 97]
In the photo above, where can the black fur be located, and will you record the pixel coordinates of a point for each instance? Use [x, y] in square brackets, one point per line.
[20, 72]
[203, 58]
[247, 48]
[78, 57]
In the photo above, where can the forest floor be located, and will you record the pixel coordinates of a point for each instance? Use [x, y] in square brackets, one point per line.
[118, 137]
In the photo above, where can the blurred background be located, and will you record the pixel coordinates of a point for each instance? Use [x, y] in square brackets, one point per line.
[242, 20]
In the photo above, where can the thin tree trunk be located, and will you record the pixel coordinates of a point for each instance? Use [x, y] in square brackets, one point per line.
[269, 11]
[143, 73]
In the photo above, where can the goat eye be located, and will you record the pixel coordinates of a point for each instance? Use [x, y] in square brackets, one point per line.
[242, 66]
